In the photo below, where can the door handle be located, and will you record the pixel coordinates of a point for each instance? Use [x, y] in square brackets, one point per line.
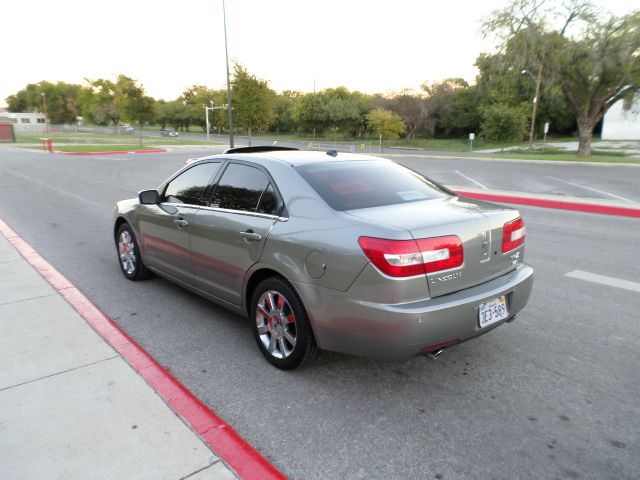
[250, 235]
[181, 224]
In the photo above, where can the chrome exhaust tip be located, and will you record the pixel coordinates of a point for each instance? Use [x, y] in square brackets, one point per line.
[435, 354]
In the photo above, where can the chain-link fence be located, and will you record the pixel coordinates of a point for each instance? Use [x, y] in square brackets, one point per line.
[127, 131]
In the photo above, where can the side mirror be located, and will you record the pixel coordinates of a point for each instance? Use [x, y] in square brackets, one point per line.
[149, 197]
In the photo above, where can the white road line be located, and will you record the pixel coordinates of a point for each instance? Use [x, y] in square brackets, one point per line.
[593, 190]
[604, 280]
[471, 179]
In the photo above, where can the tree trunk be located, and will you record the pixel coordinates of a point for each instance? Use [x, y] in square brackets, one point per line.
[585, 131]
[249, 132]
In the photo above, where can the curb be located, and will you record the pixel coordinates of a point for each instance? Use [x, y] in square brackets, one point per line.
[115, 152]
[234, 450]
[557, 204]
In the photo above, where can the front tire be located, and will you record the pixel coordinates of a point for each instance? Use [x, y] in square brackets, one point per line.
[129, 257]
[280, 324]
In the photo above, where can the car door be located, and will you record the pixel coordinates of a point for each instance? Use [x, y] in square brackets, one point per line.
[228, 234]
[165, 227]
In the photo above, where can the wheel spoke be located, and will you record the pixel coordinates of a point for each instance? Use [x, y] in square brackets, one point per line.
[283, 348]
[272, 345]
[291, 318]
[281, 301]
[262, 311]
[262, 329]
[270, 301]
[290, 338]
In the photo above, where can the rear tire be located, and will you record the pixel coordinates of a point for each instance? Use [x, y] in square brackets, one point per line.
[280, 324]
[129, 257]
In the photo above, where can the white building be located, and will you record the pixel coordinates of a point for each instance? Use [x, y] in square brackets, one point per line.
[622, 121]
[23, 122]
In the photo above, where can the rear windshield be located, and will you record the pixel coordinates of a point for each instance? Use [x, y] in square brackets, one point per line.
[364, 184]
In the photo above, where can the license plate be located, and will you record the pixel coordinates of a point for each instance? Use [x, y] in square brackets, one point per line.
[492, 311]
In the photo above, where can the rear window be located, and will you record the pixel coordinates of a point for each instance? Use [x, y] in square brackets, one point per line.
[365, 184]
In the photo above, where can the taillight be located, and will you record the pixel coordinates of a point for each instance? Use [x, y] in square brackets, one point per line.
[513, 235]
[441, 253]
[406, 258]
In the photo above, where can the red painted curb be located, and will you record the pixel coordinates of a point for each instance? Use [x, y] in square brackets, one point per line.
[215, 432]
[558, 204]
[116, 152]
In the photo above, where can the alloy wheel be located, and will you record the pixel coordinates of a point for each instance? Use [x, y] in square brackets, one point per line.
[127, 252]
[276, 322]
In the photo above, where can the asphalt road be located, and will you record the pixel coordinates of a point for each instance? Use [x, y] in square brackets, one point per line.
[552, 395]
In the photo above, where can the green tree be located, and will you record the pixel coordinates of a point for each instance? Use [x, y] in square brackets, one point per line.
[598, 70]
[253, 101]
[502, 123]
[196, 97]
[593, 68]
[174, 113]
[284, 107]
[131, 100]
[412, 108]
[98, 102]
[499, 81]
[386, 123]
[62, 100]
[446, 102]
[310, 113]
[346, 111]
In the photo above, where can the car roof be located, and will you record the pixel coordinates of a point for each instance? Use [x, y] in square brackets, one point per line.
[301, 157]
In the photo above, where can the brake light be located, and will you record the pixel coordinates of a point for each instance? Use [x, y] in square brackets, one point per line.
[406, 258]
[513, 233]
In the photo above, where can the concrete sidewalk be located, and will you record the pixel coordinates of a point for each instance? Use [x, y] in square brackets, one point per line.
[70, 406]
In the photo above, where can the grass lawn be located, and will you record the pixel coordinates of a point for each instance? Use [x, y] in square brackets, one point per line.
[107, 139]
[101, 148]
[606, 157]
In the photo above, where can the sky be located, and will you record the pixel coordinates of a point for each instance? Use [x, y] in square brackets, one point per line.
[372, 46]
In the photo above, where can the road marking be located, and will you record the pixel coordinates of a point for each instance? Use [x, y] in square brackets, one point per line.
[471, 179]
[604, 280]
[594, 190]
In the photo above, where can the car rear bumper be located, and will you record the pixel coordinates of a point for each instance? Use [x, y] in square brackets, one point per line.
[399, 331]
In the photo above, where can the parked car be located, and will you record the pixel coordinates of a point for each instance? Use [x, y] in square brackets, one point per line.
[168, 132]
[328, 250]
[126, 129]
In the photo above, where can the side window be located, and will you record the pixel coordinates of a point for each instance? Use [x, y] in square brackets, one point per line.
[189, 186]
[240, 188]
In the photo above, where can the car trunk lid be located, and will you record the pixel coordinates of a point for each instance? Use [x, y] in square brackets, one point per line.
[477, 224]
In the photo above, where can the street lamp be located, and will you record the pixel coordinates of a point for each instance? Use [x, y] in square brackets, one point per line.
[206, 113]
[229, 103]
[46, 118]
[534, 109]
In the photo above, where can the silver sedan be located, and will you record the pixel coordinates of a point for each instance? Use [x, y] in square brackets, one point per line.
[327, 250]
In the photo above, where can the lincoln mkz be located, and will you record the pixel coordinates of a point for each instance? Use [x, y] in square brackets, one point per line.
[332, 251]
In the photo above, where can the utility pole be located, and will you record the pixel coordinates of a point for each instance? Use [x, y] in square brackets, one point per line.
[535, 104]
[229, 103]
[46, 117]
[206, 113]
